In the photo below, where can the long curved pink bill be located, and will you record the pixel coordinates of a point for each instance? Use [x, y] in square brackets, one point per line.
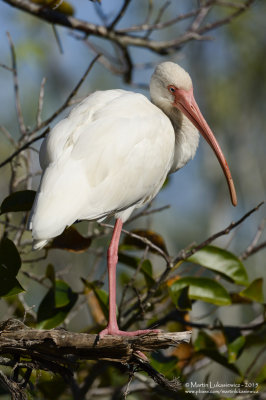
[186, 103]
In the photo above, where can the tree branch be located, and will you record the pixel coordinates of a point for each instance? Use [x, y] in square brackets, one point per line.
[121, 38]
[14, 389]
[58, 344]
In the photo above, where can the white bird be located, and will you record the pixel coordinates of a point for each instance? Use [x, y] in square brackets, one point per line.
[112, 154]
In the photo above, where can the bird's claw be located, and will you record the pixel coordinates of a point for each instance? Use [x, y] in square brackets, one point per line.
[118, 332]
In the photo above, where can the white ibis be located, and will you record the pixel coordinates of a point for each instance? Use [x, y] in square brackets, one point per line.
[112, 155]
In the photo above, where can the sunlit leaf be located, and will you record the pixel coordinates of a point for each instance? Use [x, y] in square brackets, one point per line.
[234, 349]
[261, 377]
[55, 305]
[254, 291]
[202, 289]
[71, 240]
[223, 262]
[153, 237]
[63, 293]
[18, 201]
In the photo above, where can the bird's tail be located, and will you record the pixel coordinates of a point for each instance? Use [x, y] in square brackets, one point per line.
[39, 244]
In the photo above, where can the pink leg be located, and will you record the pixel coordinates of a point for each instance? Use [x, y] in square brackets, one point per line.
[112, 258]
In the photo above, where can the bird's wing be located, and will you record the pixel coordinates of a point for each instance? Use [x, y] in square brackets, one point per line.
[117, 158]
[66, 132]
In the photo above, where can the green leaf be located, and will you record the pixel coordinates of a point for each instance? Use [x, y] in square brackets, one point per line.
[165, 365]
[234, 349]
[204, 289]
[54, 321]
[146, 269]
[181, 298]
[18, 201]
[10, 287]
[10, 261]
[261, 378]
[128, 260]
[55, 305]
[10, 264]
[254, 291]
[63, 293]
[223, 262]
[51, 389]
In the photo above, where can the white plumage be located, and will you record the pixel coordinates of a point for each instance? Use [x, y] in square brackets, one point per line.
[96, 161]
[112, 154]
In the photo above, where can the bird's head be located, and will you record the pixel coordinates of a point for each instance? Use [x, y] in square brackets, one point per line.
[171, 88]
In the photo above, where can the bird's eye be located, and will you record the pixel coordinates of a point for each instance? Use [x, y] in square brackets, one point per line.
[171, 89]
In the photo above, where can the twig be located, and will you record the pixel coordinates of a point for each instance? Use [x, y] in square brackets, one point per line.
[70, 96]
[254, 250]
[8, 136]
[175, 316]
[14, 389]
[253, 246]
[24, 147]
[158, 19]
[119, 15]
[52, 117]
[161, 25]
[144, 240]
[6, 67]
[16, 85]
[214, 25]
[39, 279]
[253, 362]
[172, 386]
[57, 38]
[40, 102]
[183, 255]
[202, 14]
[130, 284]
[146, 212]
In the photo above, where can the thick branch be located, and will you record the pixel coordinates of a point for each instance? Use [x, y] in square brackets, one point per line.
[58, 345]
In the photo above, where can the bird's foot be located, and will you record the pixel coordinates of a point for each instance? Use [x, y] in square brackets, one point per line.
[114, 331]
[117, 332]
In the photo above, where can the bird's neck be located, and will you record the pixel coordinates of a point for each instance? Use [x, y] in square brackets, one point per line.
[186, 138]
